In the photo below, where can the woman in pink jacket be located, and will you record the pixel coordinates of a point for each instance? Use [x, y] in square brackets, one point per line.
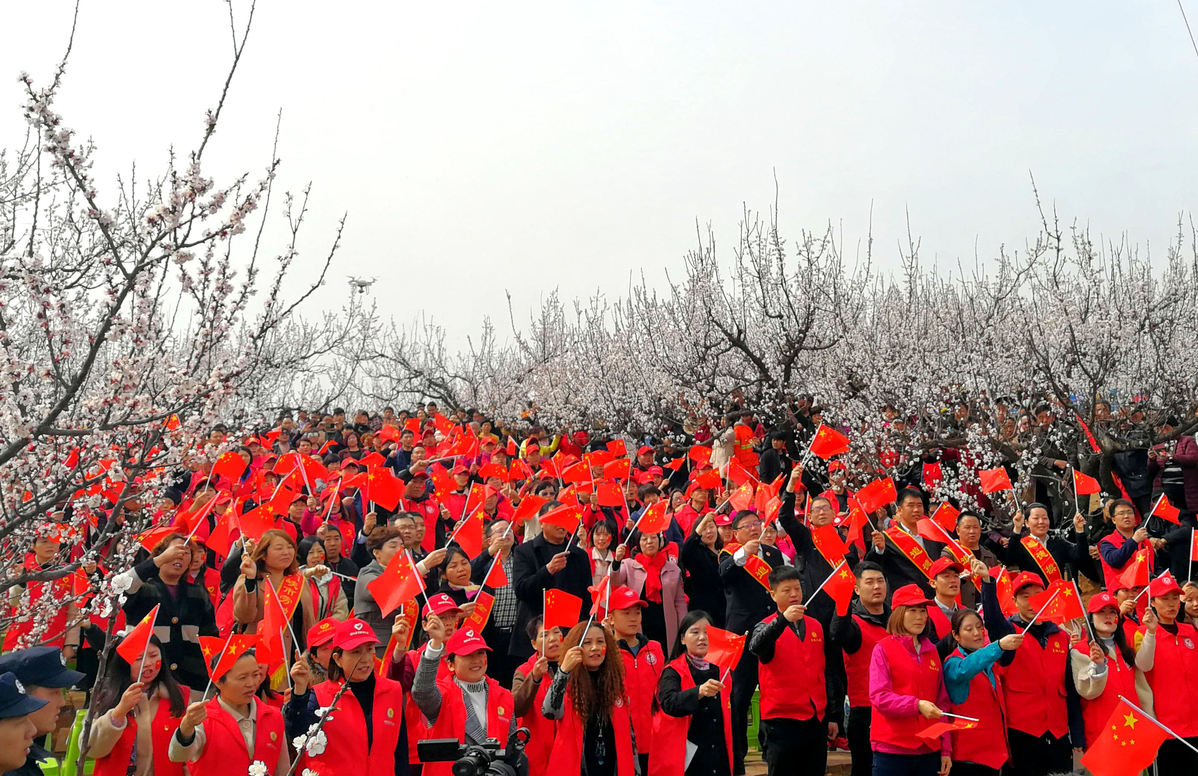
[654, 575]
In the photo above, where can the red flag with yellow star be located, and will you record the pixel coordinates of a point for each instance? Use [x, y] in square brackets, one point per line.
[1138, 571]
[1064, 605]
[399, 582]
[828, 442]
[229, 650]
[1128, 743]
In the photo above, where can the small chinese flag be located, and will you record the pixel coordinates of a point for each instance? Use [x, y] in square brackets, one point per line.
[493, 470]
[229, 650]
[1085, 484]
[1127, 745]
[654, 519]
[742, 497]
[135, 643]
[618, 469]
[511, 448]
[699, 455]
[828, 442]
[496, 577]
[1002, 586]
[994, 480]
[561, 609]
[770, 509]
[469, 534]
[483, 602]
[930, 529]
[840, 587]
[564, 517]
[946, 516]
[576, 473]
[676, 464]
[528, 508]
[738, 474]
[608, 494]
[857, 522]
[829, 544]
[1193, 545]
[150, 539]
[877, 494]
[257, 521]
[709, 480]
[724, 648]
[937, 729]
[1166, 511]
[1064, 604]
[398, 583]
[1137, 572]
[617, 448]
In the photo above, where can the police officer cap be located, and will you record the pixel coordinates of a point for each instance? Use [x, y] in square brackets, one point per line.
[40, 667]
[13, 700]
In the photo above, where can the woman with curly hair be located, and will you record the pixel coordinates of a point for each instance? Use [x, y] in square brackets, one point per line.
[587, 698]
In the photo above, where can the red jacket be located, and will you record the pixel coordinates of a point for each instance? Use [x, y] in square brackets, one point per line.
[641, 674]
[224, 750]
[985, 744]
[1174, 679]
[919, 679]
[667, 757]
[566, 758]
[541, 730]
[792, 683]
[347, 751]
[1120, 680]
[1034, 686]
[116, 762]
[451, 720]
[856, 664]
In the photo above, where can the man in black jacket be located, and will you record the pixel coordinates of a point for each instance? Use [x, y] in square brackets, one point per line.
[744, 568]
[543, 564]
[904, 555]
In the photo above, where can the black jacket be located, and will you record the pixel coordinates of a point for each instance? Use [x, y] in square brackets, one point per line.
[900, 571]
[748, 602]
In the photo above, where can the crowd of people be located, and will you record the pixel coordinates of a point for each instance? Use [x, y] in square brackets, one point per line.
[545, 619]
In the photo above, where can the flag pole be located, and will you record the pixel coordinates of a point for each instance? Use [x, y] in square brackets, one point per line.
[1042, 608]
[821, 584]
[1157, 722]
[286, 619]
[1158, 576]
[959, 716]
[419, 578]
[1076, 500]
[1089, 626]
[1152, 511]
[1190, 571]
[212, 668]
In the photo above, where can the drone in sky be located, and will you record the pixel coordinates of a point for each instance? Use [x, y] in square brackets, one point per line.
[361, 285]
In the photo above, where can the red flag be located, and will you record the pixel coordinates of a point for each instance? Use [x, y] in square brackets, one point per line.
[257, 521]
[609, 494]
[877, 494]
[769, 510]
[561, 609]
[1084, 484]
[469, 535]
[388, 433]
[937, 729]
[72, 458]
[511, 448]
[857, 522]
[528, 508]
[994, 480]
[932, 475]
[946, 516]
[1127, 745]
[617, 448]
[1002, 586]
[229, 650]
[152, 538]
[829, 544]
[709, 480]
[1137, 572]
[1193, 545]
[482, 611]
[617, 470]
[442, 424]
[135, 643]
[930, 529]
[496, 577]
[576, 473]
[699, 455]
[1166, 511]
[675, 464]
[654, 519]
[739, 475]
[840, 587]
[492, 470]
[399, 582]
[742, 497]
[724, 648]
[1059, 603]
[828, 442]
[564, 517]
[220, 541]
[384, 488]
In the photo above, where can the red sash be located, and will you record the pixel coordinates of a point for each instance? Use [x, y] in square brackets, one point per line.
[1040, 554]
[829, 553]
[906, 544]
[758, 569]
[289, 593]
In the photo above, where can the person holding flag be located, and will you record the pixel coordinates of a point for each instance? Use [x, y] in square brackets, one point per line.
[1167, 653]
[1104, 668]
[588, 701]
[855, 634]
[1033, 549]
[528, 692]
[797, 720]
[905, 556]
[975, 689]
[745, 565]
[644, 658]
[492, 569]
[367, 729]
[454, 573]
[654, 574]
[1034, 682]
[134, 719]
[548, 562]
[969, 536]
[700, 562]
[693, 731]
[270, 570]
[1118, 549]
[906, 688]
[945, 576]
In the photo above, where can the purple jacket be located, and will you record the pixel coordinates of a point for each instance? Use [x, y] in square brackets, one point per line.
[889, 703]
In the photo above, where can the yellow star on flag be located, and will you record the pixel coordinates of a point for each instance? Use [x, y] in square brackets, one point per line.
[1129, 720]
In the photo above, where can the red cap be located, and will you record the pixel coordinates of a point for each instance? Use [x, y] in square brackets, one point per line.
[460, 468]
[723, 518]
[322, 632]
[690, 489]
[942, 565]
[1025, 579]
[353, 633]
[909, 595]
[623, 598]
[655, 470]
[1163, 585]
[1102, 601]
[644, 449]
[439, 604]
[465, 641]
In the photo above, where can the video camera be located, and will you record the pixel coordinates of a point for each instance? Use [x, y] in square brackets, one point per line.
[485, 759]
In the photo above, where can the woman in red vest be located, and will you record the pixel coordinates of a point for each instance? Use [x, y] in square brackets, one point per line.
[528, 692]
[594, 734]
[125, 709]
[906, 690]
[975, 690]
[365, 729]
[470, 706]
[1168, 656]
[234, 730]
[1104, 669]
[692, 733]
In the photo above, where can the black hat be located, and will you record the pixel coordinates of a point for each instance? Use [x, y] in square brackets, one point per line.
[13, 700]
[40, 667]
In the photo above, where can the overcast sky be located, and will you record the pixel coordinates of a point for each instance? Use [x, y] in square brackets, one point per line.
[479, 147]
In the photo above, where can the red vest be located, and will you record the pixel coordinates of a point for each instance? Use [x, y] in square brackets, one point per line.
[414, 717]
[856, 664]
[668, 755]
[984, 744]
[566, 758]
[451, 720]
[1110, 574]
[640, 684]
[541, 730]
[1174, 679]
[224, 750]
[792, 684]
[333, 589]
[1120, 680]
[346, 751]
[1034, 686]
[918, 678]
[116, 762]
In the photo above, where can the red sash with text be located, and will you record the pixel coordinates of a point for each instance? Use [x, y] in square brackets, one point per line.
[906, 544]
[1040, 554]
